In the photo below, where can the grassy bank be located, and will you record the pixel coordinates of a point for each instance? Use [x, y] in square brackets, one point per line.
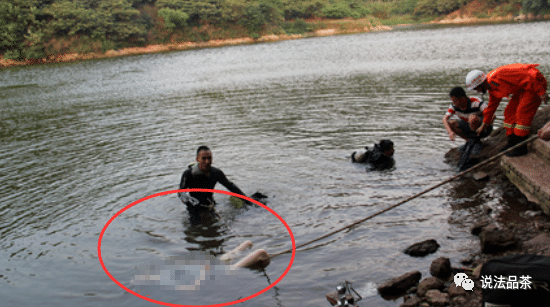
[315, 28]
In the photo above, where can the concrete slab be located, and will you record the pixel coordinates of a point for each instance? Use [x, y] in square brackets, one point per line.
[531, 175]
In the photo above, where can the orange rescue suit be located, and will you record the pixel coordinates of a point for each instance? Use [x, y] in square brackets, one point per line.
[526, 85]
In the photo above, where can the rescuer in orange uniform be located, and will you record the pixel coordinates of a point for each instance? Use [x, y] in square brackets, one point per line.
[527, 86]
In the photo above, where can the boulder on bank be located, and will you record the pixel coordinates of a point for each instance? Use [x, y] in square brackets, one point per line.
[411, 302]
[399, 285]
[429, 283]
[436, 298]
[422, 249]
[539, 244]
[441, 268]
[495, 240]
[455, 291]
[478, 227]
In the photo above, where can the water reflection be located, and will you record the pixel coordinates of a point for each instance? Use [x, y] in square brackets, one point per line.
[467, 193]
[207, 235]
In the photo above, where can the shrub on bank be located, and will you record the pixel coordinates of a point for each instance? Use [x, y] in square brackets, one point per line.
[299, 26]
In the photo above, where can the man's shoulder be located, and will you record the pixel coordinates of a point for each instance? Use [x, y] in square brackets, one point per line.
[215, 170]
[187, 173]
[189, 167]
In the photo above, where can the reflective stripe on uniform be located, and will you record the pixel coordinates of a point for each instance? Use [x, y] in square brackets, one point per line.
[522, 127]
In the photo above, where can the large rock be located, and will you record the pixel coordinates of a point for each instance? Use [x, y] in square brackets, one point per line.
[436, 298]
[539, 244]
[412, 302]
[441, 268]
[478, 227]
[494, 240]
[429, 283]
[460, 301]
[422, 249]
[455, 291]
[399, 285]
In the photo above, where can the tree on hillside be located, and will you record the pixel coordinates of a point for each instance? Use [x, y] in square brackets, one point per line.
[141, 3]
[535, 6]
[173, 19]
[20, 33]
[404, 7]
[201, 11]
[13, 27]
[171, 4]
[437, 7]
[258, 14]
[98, 20]
[294, 9]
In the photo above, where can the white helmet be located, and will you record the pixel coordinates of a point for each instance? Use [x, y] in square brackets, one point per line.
[475, 78]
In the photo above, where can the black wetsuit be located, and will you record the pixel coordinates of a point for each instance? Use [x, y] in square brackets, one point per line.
[375, 157]
[378, 161]
[194, 178]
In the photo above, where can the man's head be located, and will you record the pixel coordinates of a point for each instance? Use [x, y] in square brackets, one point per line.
[204, 158]
[459, 98]
[477, 80]
[386, 146]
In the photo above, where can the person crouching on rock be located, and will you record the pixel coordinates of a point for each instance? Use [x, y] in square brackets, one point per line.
[202, 175]
[380, 157]
[469, 111]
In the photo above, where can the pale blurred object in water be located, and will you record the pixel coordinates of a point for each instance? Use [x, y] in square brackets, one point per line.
[182, 273]
[236, 251]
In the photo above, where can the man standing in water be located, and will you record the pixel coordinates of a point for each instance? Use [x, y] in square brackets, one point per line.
[527, 86]
[202, 175]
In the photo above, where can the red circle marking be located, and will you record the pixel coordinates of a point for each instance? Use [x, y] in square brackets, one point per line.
[195, 190]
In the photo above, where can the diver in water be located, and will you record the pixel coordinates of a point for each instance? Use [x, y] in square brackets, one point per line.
[380, 157]
[202, 175]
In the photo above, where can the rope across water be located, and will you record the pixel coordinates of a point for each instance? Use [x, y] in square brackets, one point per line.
[493, 158]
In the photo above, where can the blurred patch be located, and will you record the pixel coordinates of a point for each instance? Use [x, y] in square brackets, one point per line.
[189, 272]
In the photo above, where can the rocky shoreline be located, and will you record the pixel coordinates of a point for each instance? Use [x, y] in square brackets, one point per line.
[497, 238]
[496, 241]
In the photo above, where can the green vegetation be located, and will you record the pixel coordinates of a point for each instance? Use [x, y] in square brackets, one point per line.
[34, 29]
[536, 6]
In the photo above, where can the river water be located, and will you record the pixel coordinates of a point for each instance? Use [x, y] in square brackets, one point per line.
[81, 141]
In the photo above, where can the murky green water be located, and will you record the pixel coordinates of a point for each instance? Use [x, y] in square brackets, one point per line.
[79, 142]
